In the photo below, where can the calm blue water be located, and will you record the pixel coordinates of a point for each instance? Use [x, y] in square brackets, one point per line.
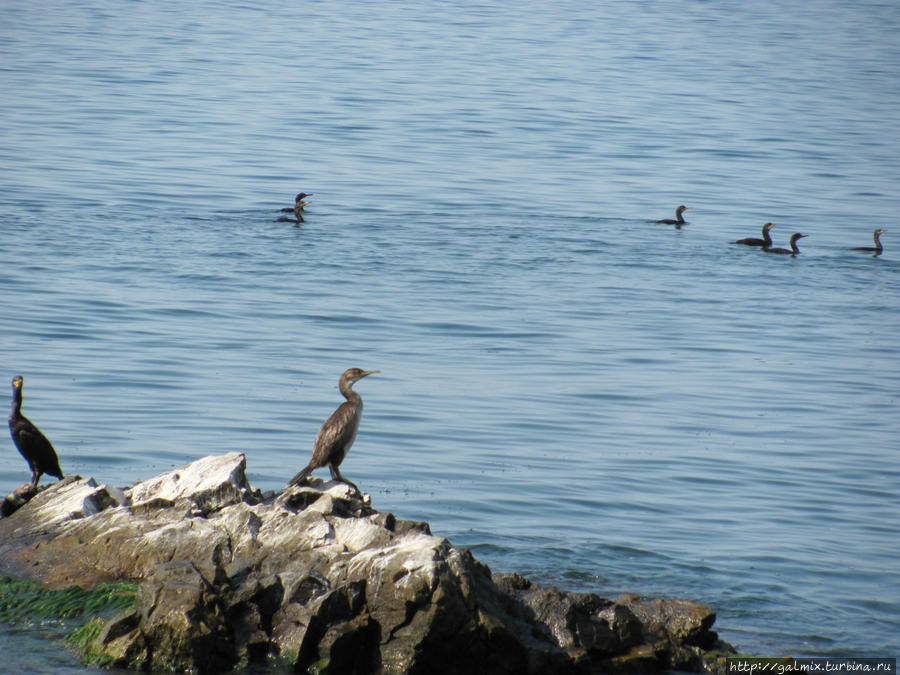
[568, 388]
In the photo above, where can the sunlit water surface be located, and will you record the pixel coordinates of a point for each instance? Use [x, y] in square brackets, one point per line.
[567, 388]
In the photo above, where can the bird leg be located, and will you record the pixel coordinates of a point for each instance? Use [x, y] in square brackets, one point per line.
[336, 475]
[35, 477]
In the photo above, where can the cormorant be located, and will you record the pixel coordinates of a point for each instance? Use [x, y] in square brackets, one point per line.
[766, 241]
[295, 209]
[297, 220]
[878, 248]
[338, 432]
[679, 218]
[298, 203]
[33, 445]
[794, 250]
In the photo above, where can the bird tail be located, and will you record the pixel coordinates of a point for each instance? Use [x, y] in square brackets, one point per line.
[300, 477]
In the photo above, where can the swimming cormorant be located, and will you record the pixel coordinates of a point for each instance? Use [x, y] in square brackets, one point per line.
[33, 445]
[297, 219]
[766, 241]
[298, 203]
[793, 251]
[295, 209]
[679, 218]
[338, 432]
[878, 248]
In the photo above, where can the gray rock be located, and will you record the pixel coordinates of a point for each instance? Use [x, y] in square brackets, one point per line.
[17, 499]
[584, 624]
[678, 620]
[182, 620]
[314, 578]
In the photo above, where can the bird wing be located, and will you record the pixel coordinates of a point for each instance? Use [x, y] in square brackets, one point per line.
[35, 447]
[336, 435]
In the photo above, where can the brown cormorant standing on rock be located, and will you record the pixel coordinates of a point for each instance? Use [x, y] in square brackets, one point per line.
[793, 251]
[766, 241]
[679, 217]
[33, 445]
[878, 248]
[339, 431]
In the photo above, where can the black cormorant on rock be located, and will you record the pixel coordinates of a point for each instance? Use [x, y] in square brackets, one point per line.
[766, 241]
[338, 432]
[34, 446]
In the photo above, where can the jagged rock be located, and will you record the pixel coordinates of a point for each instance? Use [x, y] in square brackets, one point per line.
[182, 619]
[314, 578]
[678, 620]
[211, 483]
[17, 499]
[584, 624]
[121, 642]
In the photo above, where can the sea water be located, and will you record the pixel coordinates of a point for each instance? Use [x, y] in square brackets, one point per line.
[567, 388]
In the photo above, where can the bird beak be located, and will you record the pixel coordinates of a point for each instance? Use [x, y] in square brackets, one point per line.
[369, 372]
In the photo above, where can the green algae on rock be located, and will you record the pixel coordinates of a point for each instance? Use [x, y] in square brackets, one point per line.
[22, 599]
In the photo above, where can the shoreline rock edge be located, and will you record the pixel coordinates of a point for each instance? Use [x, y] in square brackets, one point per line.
[314, 579]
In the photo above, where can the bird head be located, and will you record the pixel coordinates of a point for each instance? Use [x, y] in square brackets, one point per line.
[17, 382]
[356, 374]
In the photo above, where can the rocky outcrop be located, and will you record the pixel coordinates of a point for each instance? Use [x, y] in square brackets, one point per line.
[314, 578]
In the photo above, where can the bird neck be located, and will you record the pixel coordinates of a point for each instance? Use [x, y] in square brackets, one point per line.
[347, 391]
[16, 403]
[767, 237]
[794, 247]
[877, 238]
